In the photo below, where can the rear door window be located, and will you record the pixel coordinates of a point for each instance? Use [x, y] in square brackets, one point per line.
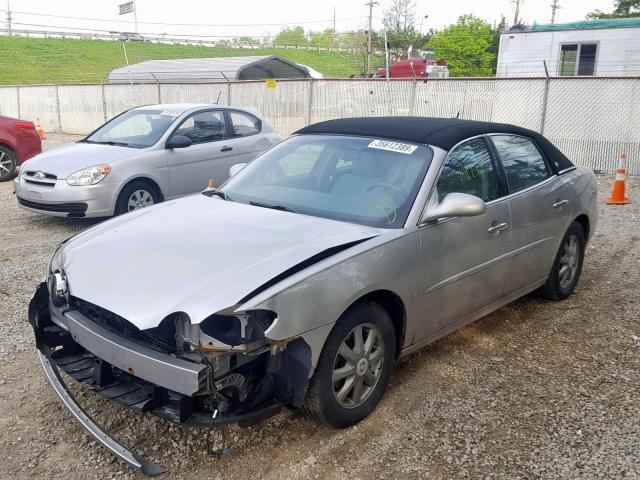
[523, 163]
[244, 124]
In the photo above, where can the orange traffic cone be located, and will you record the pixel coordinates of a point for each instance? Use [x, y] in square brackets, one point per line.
[617, 194]
[39, 129]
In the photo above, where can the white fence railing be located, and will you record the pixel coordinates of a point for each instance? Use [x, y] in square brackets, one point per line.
[592, 120]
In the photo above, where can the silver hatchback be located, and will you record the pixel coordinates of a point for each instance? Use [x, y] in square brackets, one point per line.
[142, 157]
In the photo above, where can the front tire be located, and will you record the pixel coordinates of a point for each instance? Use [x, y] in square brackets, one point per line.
[354, 368]
[136, 195]
[567, 266]
[8, 164]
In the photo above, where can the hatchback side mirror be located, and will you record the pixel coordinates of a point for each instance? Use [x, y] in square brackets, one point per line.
[236, 168]
[455, 205]
[178, 141]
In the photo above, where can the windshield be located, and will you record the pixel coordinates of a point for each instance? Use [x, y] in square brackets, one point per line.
[135, 128]
[361, 180]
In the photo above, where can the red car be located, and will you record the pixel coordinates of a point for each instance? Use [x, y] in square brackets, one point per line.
[18, 143]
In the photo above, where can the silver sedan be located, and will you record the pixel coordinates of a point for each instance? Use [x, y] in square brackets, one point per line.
[142, 157]
[303, 278]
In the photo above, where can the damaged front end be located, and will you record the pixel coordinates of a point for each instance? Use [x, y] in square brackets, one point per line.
[220, 371]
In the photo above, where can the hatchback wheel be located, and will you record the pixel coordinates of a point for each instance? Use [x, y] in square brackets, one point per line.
[135, 196]
[354, 368]
[567, 266]
[7, 164]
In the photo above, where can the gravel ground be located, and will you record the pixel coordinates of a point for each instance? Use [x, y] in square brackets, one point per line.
[536, 390]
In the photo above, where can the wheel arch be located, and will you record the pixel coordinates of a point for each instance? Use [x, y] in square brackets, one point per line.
[9, 146]
[583, 220]
[145, 179]
[394, 306]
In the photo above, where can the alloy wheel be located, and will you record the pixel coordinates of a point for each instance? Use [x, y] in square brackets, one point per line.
[6, 163]
[358, 365]
[139, 199]
[569, 261]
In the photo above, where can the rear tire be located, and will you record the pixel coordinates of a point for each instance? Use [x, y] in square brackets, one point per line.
[567, 266]
[369, 365]
[136, 195]
[8, 164]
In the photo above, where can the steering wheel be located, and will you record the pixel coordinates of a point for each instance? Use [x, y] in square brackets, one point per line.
[396, 192]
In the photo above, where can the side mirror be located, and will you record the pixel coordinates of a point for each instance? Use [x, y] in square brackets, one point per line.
[236, 168]
[455, 205]
[178, 141]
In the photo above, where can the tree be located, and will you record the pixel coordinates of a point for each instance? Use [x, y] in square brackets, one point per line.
[399, 22]
[291, 36]
[323, 39]
[465, 47]
[623, 9]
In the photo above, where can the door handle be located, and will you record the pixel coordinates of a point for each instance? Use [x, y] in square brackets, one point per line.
[560, 203]
[496, 229]
[226, 149]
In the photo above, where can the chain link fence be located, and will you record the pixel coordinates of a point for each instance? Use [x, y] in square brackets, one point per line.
[592, 120]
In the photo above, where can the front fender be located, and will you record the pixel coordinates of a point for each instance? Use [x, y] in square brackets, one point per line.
[308, 307]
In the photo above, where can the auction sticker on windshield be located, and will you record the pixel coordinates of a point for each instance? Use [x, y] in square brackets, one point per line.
[397, 147]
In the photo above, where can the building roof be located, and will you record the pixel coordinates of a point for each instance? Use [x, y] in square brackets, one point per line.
[444, 133]
[582, 25]
[194, 70]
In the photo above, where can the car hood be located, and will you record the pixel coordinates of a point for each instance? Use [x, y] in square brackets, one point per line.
[198, 255]
[65, 160]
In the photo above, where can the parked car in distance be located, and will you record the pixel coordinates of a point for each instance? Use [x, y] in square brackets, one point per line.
[303, 278]
[141, 157]
[18, 143]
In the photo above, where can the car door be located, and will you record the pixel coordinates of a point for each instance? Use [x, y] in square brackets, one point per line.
[540, 209]
[463, 257]
[212, 152]
[246, 130]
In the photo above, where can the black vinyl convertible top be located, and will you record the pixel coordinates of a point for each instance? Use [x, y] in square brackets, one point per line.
[444, 133]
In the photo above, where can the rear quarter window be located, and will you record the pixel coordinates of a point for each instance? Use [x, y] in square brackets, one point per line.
[523, 163]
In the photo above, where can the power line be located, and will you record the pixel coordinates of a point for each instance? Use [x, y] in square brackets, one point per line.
[307, 22]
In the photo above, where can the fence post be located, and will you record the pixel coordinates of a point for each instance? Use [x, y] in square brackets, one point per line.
[104, 103]
[310, 101]
[58, 108]
[545, 99]
[18, 98]
[412, 109]
[228, 93]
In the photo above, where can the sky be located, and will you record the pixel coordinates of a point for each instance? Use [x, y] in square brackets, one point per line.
[266, 17]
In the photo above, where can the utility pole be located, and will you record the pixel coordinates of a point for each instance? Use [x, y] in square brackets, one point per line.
[370, 4]
[335, 32]
[517, 4]
[554, 7]
[8, 18]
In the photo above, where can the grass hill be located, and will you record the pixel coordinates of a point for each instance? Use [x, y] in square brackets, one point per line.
[38, 60]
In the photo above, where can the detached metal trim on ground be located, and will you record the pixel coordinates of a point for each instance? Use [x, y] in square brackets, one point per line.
[131, 458]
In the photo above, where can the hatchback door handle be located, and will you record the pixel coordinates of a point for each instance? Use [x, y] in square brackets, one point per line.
[560, 203]
[496, 229]
[226, 149]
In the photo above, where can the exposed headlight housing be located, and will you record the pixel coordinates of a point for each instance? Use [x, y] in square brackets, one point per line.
[89, 176]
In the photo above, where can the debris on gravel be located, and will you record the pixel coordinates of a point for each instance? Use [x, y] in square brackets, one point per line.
[536, 390]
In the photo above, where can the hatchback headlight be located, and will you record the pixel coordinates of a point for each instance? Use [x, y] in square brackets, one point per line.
[89, 176]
